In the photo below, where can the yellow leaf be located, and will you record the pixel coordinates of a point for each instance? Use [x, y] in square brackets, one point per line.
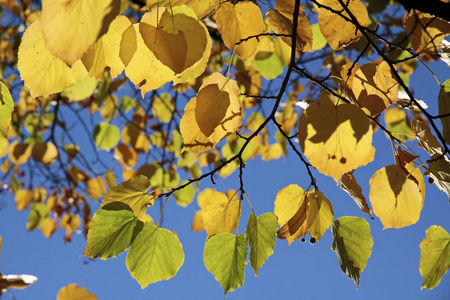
[375, 87]
[105, 52]
[95, 187]
[48, 227]
[134, 136]
[23, 198]
[335, 138]
[70, 27]
[202, 8]
[320, 214]
[109, 107]
[41, 71]
[74, 292]
[70, 223]
[215, 113]
[238, 22]
[126, 155]
[46, 153]
[197, 223]
[220, 213]
[425, 31]
[395, 198]
[141, 65]
[19, 153]
[163, 107]
[275, 151]
[281, 21]
[337, 31]
[203, 196]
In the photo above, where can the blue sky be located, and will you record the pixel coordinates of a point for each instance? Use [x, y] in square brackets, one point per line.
[302, 270]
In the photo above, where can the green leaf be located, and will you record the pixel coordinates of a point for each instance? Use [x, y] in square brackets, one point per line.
[434, 256]
[185, 196]
[106, 136]
[38, 212]
[113, 229]
[133, 193]
[261, 235]
[127, 103]
[352, 243]
[268, 64]
[224, 257]
[319, 40]
[6, 109]
[444, 108]
[81, 90]
[156, 254]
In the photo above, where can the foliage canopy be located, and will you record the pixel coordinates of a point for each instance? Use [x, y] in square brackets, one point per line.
[134, 103]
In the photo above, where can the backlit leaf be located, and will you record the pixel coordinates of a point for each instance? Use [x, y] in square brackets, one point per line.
[106, 136]
[70, 223]
[48, 227]
[41, 71]
[71, 27]
[425, 138]
[351, 186]
[184, 196]
[238, 22]
[425, 31]
[434, 256]
[95, 187]
[75, 292]
[114, 227]
[444, 108]
[335, 138]
[38, 213]
[225, 257]
[105, 52]
[375, 87]
[81, 90]
[395, 198]
[439, 171]
[319, 215]
[352, 243]
[261, 235]
[163, 108]
[220, 214]
[338, 32]
[202, 8]
[397, 123]
[133, 193]
[212, 115]
[6, 109]
[197, 223]
[23, 198]
[46, 153]
[156, 254]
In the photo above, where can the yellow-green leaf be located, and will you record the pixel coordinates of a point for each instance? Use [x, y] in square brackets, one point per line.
[335, 138]
[156, 254]
[184, 196]
[396, 199]
[133, 193]
[75, 292]
[6, 109]
[224, 257]
[352, 243]
[106, 136]
[261, 235]
[434, 256]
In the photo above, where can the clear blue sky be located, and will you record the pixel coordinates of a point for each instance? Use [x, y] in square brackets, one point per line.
[300, 271]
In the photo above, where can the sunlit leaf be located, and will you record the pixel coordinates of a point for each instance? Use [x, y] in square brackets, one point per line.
[425, 138]
[220, 214]
[197, 223]
[395, 198]
[338, 32]
[46, 153]
[95, 187]
[212, 115]
[70, 223]
[23, 198]
[184, 196]
[75, 292]
[202, 8]
[351, 186]
[81, 90]
[38, 213]
[352, 243]
[114, 227]
[163, 108]
[48, 227]
[225, 257]
[439, 171]
[132, 192]
[41, 71]
[6, 109]
[261, 235]
[335, 138]
[238, 22]
[425, 31]
[106, 136]
[71, 27]
[434, 256]
[156, 254]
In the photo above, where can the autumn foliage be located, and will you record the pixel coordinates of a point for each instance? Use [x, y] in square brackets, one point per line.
[172, 93]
